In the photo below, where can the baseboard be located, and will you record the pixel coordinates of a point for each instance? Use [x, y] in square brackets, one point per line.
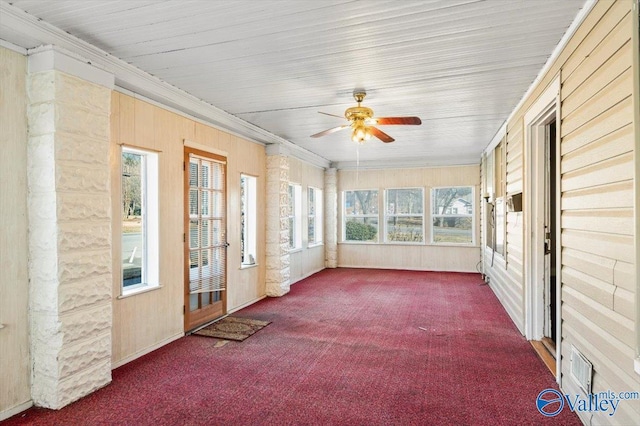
[244, 305]
[308, 275]
[4, 415]
[407, 268]
[145, 351]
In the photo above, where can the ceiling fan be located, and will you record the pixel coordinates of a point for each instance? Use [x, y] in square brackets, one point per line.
[361, 120]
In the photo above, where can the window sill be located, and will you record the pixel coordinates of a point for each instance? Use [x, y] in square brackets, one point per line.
[315, 245]
[248, 266]
[403, 243]
[140, 290]
[454, 245]
[365, 243]
[296, 250]
[398, 243]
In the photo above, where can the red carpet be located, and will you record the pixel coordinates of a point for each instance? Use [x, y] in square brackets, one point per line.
[345, 347]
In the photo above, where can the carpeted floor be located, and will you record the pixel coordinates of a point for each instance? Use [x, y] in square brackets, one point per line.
[345, 347]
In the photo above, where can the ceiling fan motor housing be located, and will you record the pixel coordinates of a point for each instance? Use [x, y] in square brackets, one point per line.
[358, 113]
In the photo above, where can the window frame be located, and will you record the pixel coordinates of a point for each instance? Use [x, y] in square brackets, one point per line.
[472, 215]
[317, 216]
[248, 220]
[345, 217]
[149, 217]
[387, 216]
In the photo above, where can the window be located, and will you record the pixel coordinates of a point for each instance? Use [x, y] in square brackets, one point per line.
[495, 190]
[295, 216]
[140, 255]
[450, 227]
[404, 210]
[314, 219]
[248, 217]
[360, 215]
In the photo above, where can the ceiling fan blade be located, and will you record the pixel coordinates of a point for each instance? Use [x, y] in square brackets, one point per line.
[380, 135]
[332, 115]
[398, 120]
[329, 131]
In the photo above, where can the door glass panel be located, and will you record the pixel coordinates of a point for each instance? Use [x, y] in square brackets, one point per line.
[193, 235]
[207, 224]
[204, 203]
[193, 173]
[193, 302]
[218, 204]
[193, 202]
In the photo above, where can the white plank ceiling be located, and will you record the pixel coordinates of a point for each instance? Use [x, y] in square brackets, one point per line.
[459, 65]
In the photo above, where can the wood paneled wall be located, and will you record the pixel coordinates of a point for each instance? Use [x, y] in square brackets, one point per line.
[145, 321]
[404, 256]
[308, 260]
[599, 312]
[15, 370]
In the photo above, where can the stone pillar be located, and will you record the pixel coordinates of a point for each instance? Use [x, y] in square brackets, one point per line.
[331, 218]
[278, 274]
[69, 205]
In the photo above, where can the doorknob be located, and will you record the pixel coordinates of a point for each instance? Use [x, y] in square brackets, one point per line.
[547, 243]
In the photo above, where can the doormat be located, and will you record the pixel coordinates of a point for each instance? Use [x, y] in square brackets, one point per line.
[232, 328]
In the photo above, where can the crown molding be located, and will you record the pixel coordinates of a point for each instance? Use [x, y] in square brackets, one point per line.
[413, 163]
[24, 26]
[8, 45]
[46, 58]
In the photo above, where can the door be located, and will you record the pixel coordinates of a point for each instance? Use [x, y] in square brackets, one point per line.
[205, 238]
[550, 207]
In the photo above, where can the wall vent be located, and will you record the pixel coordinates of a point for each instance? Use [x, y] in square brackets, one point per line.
[581, 370]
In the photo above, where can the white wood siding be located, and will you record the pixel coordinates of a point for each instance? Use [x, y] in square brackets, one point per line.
[506, 276]
[15, 372]
[598, 306]
[599, 312]
[435, 257]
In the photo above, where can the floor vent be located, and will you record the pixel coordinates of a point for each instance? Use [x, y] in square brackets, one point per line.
[581, 370]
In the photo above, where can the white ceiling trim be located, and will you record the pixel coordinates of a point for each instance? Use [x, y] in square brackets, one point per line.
[131, 78]
[45, 58]
[11, 46]
[415, 163]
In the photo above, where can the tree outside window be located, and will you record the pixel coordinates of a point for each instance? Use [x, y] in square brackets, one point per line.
[404, 215]
[360, 215]
[453, 215]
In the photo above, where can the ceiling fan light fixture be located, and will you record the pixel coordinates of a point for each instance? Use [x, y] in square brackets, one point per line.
[361, 133]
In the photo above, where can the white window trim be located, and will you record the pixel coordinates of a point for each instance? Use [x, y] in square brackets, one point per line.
[150, 223]
[250, 220]
[386, 216]
[472, 215]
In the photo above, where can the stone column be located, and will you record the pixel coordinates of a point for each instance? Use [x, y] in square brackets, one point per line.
[331, 218]
[277, 209]
[69, 205]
